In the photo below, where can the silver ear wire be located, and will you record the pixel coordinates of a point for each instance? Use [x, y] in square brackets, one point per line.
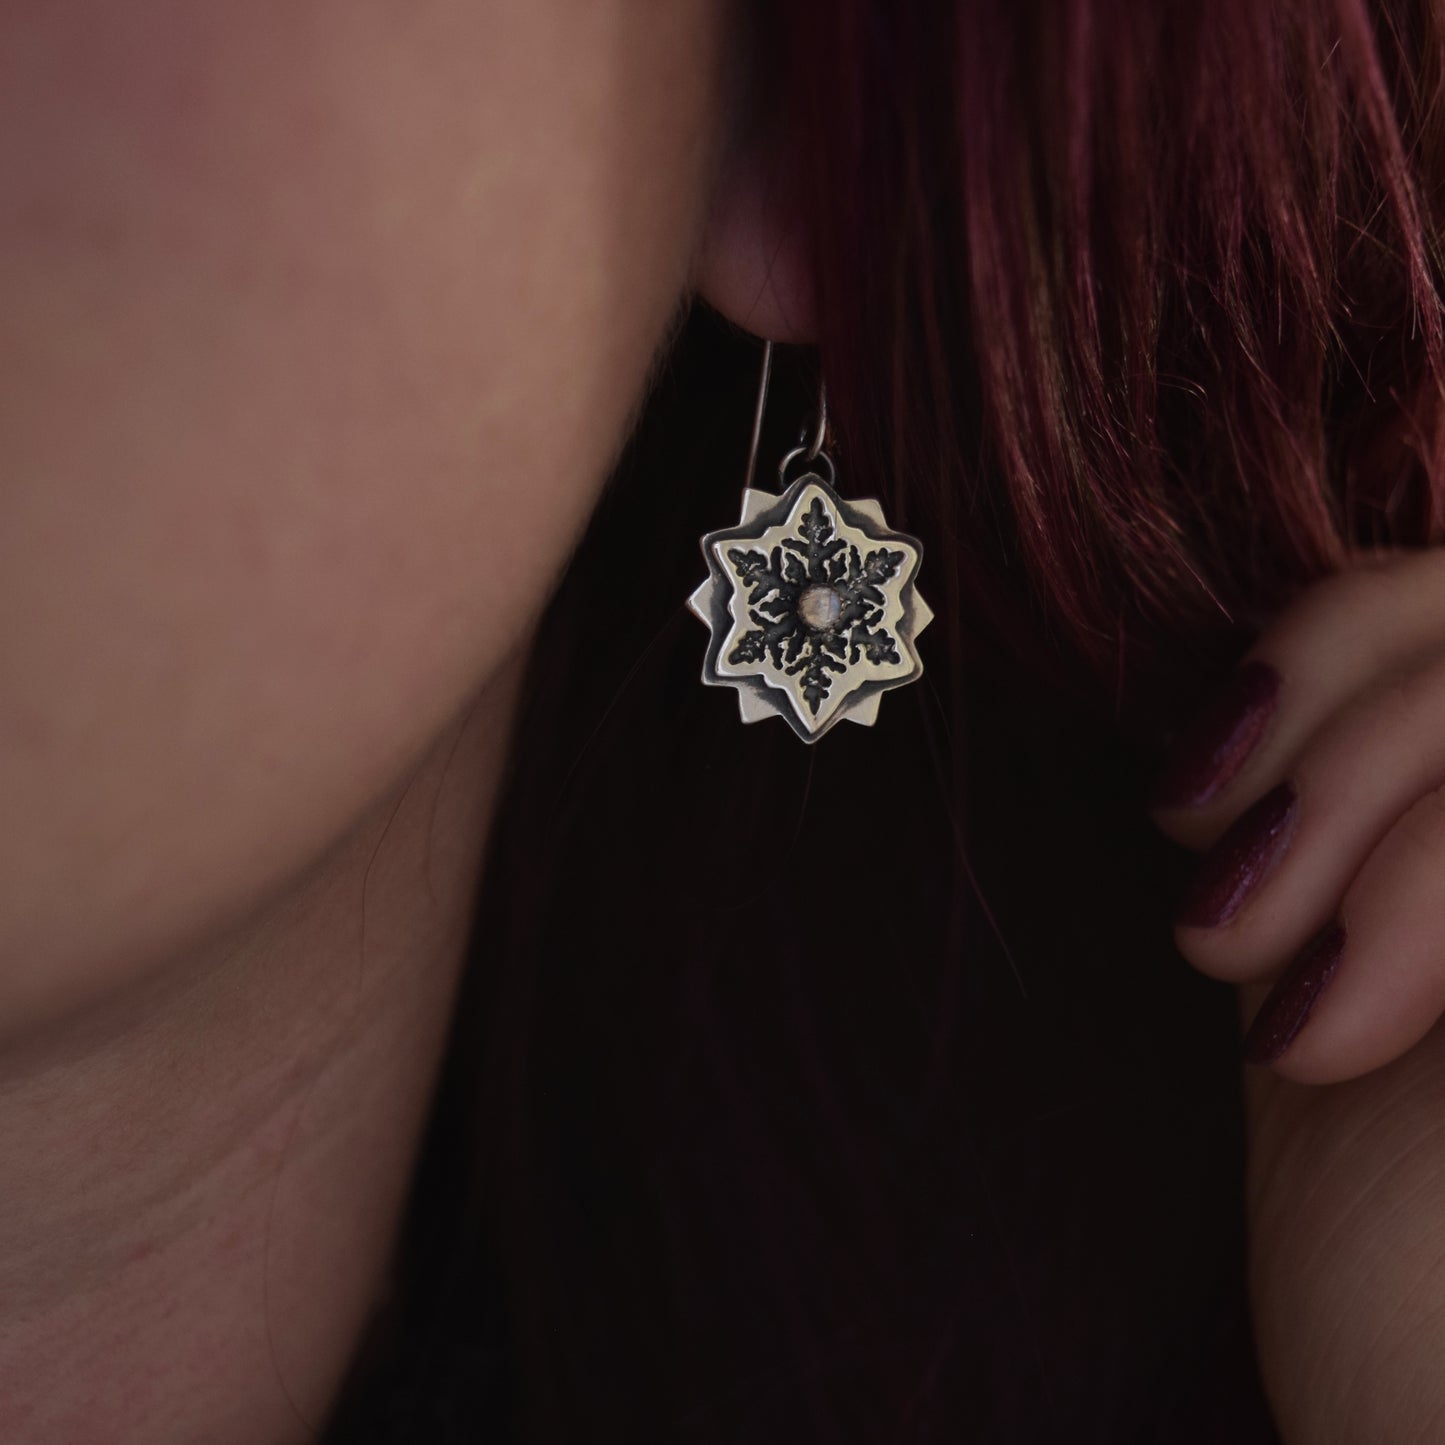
[821, 434]
[810, 452]
[758, 410]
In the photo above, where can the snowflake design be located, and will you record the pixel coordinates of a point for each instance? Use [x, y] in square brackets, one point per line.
[812, 606]
[816, 605]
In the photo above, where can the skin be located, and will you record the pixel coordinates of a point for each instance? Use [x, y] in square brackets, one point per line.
[202, 1181]
[323, 322]
[1346, 1190]
[305, 401]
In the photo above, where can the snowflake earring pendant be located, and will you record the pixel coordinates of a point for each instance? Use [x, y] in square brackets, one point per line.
[811, 600]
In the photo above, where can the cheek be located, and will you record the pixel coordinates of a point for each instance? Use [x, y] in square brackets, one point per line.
[323, 321]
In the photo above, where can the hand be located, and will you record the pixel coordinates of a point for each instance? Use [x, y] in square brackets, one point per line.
[1317, 788]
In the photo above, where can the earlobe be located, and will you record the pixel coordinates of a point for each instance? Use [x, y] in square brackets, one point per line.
[752, 264]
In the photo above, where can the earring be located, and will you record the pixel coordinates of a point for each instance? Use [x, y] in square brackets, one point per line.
[811, 600]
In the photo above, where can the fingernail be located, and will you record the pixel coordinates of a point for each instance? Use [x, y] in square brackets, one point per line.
[1287, 1009]
[1239, 861]
[1215, 747]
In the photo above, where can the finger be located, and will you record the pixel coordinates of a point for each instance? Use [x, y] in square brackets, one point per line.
[1279, 871]
[1344, 632]
[1371, 983]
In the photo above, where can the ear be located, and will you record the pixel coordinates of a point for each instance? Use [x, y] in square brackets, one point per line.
[752, 265]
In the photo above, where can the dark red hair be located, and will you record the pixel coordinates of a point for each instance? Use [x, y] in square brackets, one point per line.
[773, 1111]
[1134, 308]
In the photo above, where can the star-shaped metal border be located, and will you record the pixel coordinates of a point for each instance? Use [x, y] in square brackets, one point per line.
[722, 602]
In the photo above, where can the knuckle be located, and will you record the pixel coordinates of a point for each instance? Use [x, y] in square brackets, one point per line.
[1419, 832]
[1366, 585]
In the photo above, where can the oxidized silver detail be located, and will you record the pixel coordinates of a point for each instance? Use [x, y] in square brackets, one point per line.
[812, 607]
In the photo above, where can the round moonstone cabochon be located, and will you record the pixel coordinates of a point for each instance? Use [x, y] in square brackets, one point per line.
[820, 607]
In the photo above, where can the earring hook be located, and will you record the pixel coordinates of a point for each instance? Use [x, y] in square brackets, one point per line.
[820, 433]
[758, 412]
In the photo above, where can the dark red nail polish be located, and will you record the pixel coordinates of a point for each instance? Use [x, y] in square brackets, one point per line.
[1287, 1009]
[1214, 748]
[1239, 861]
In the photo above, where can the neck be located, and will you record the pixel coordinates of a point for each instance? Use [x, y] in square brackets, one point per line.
[202, 1185]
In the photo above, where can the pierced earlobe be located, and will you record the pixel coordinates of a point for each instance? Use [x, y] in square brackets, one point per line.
[752, 266]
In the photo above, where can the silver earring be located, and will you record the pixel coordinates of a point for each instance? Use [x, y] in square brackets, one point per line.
[811, 600]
